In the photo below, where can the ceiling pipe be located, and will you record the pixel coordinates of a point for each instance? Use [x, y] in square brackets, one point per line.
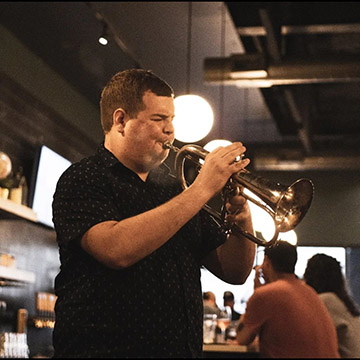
[317, 163]
[273, 41]
[254, 70]
[302, 29]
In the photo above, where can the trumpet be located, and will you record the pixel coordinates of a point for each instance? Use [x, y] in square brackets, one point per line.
[286, 204]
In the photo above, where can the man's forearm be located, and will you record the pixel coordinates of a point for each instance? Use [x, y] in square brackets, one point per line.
[122, 244]
[244, 335]
[237, 255]
[233, 261]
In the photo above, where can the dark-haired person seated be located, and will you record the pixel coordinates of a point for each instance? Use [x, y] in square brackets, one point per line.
[229, 300]
[286, 314]
[323, 273]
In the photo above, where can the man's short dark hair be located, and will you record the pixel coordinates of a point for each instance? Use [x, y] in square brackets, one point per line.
[283, 257]
[126, 89]
[228, 296]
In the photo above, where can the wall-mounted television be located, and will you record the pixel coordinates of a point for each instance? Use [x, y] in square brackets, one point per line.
[48, 167]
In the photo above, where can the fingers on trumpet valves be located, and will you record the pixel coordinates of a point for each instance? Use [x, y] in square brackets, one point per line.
[238, 158]
[240, 162]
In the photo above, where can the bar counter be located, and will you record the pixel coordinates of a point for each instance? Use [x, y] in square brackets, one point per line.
[229, 351]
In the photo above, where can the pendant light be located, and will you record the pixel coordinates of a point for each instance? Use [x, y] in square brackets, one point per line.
[193, 114]
[213, 144]
[103, 39]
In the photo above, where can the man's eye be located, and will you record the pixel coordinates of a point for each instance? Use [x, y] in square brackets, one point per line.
[156, 119]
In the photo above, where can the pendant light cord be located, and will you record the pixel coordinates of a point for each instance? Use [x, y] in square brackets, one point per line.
[222, 54]
[188, 70]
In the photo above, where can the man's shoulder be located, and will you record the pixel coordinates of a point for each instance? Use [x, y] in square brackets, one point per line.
[278, 287]
[82, 166]
[88, 171]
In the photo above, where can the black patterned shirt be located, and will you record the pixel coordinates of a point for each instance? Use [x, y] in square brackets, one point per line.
[150, 309]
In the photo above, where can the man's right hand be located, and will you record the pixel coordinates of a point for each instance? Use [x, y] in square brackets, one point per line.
[259, 277]
[218, 167]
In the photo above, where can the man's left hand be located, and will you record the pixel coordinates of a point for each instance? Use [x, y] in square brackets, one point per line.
[238, 209]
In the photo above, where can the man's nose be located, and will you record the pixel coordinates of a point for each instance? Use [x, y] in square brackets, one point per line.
[169, 127]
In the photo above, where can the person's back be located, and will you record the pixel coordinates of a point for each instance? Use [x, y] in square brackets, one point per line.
[323, 273]
[209, 304]
[347, 325]
[286, 314]
[297, 324]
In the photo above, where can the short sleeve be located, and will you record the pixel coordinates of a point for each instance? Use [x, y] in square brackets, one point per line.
[81, 200]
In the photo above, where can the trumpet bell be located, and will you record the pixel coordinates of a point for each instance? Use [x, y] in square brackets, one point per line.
[293, 204]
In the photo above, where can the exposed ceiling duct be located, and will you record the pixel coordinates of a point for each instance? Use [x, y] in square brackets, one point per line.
[270, 163]
[246, 70]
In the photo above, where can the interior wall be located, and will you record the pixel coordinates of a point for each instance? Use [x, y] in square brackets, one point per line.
[42, 83]
[26, 122]
[35, 250]
[353, 271]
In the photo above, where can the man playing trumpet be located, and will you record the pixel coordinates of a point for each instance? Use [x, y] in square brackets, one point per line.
[132, 242]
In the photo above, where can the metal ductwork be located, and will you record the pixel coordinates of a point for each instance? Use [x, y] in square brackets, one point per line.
[254, 70]
[270, 163]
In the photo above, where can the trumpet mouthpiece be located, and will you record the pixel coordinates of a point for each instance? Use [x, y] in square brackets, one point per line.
[169, 145]
[166, 145]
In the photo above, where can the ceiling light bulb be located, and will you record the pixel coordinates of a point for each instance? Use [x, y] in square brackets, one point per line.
[213, 144]
[103, 40]
[193, 119]
[289, 236]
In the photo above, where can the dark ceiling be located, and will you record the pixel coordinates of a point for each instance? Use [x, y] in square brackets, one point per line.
[315, 46]
[310, 49]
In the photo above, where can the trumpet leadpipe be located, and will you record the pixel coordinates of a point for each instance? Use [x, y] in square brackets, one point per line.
[169, 145]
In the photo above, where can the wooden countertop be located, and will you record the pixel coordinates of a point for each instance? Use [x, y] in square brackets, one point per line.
[225, 348]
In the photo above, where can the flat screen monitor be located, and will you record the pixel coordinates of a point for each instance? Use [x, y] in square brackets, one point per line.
[47, 170]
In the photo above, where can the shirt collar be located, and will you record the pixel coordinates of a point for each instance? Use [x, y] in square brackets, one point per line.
[109, 160]
[106, 156]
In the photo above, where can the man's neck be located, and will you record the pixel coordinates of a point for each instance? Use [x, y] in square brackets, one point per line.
[283, 276]
[115, 149]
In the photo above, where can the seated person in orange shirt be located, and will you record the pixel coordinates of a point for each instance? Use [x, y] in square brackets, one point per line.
[287, 314]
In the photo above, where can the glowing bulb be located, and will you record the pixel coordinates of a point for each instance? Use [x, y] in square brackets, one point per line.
[289, 236]
[213, 144]
[103, 40]
[194, 118]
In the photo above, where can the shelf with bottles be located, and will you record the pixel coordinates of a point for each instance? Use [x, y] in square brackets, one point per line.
[12, 210]
[14, 195]
[10, 275]
[15, 277]
[45, 314]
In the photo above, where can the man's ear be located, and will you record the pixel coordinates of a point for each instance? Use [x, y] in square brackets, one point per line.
[119, 120]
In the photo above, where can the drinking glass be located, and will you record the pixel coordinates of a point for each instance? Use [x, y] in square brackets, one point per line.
[209, 328]
[223, 322]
